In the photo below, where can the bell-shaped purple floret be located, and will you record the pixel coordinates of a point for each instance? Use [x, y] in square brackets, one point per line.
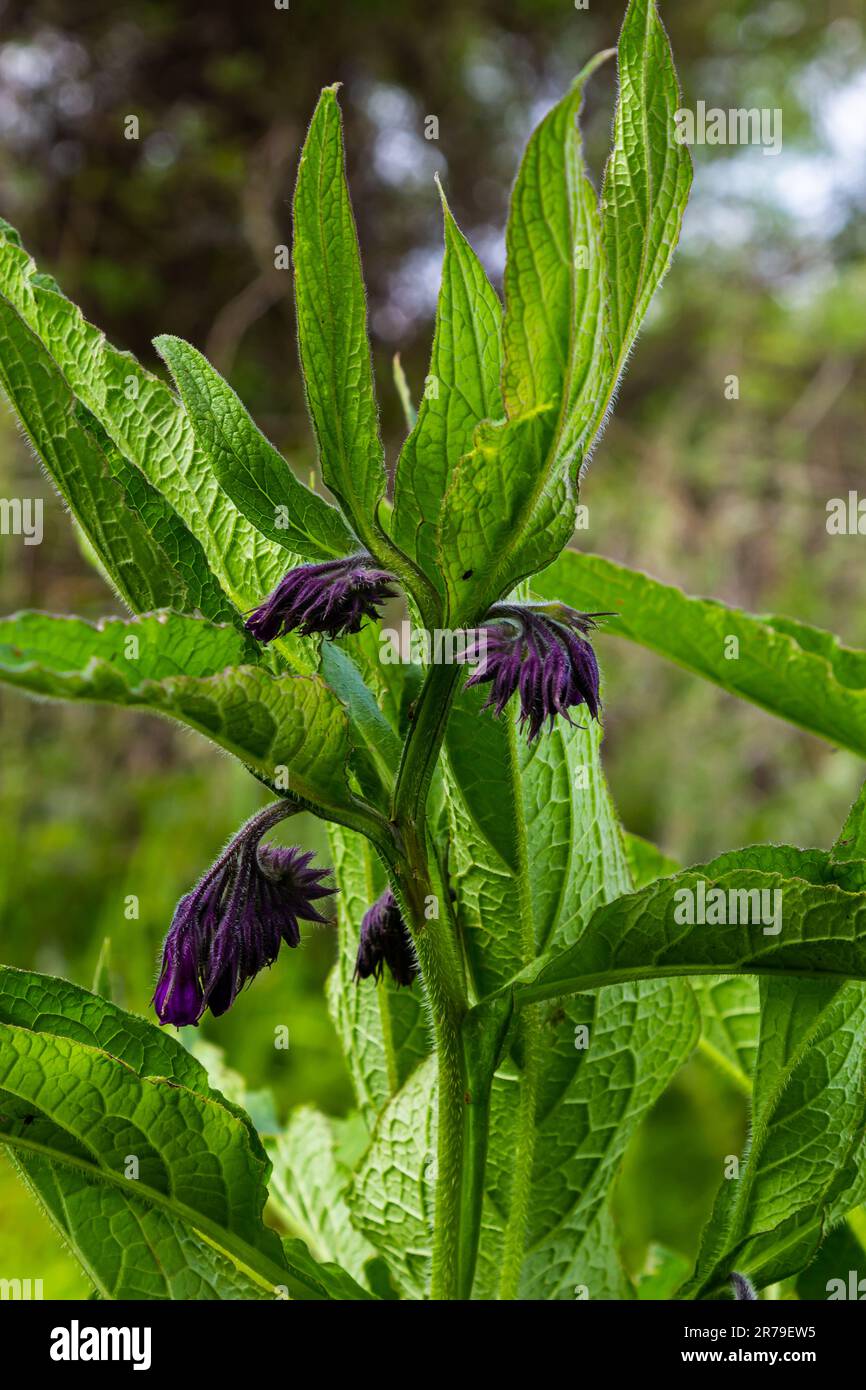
[233, 923]
[332, 598]
[385, 941]
[540, 652]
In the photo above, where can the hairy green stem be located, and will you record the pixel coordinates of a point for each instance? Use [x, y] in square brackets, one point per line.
[423, 896]
[423, 889]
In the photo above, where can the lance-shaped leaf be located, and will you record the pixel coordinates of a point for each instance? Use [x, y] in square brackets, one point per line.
[535, 842]
[607, 1058]
[806, 1163]
[462, 388]
[85, 1114]
[510, 506]
[383, 1030]
[766, 910]
[647, 179]
[797, 672]
[535, 848]
[143, 546]
[555, 339]
[578, 285]
[148, 425]
[288, 727]
[729, 1005]
[332, 323]
[254, 475]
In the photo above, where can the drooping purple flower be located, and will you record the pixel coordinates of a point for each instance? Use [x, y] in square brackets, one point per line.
[385, 941]
[743, 1289]
[234, 921]
[540, 651]
[332, 598]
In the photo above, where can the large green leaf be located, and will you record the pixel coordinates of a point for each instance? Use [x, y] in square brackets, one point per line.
[144, 547]
[128, 1248]
[383, 1030]
[308, 1186]
[800, 673]
[590, 1100]
[254, 475]
[392, 1198]
[535, 847]
[332, 323]
[535, 842]
[140, 1122]
[462, 388]
[806, 1163]
[639, 936]
[729, 1004]
[148, 425]
[181, 667]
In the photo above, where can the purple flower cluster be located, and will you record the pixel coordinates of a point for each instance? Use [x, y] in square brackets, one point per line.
[385, 941]
[331, 598]
[541, 652]
[233, 923]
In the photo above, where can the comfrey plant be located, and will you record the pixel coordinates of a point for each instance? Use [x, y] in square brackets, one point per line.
[515, 983]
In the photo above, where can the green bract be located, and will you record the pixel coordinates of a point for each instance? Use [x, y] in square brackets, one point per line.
[563, 982]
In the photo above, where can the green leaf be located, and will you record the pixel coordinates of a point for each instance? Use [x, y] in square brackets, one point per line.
[145, 549]
[796, 672]
[332, 323]
[42, 652]
[183, 670]
[591, 1098]
[393, 1194]
[254, 475]
[462, 388]
[535, 847]
[578, 284]
[84, 1088]
[535, 843]
[646, 862]
[308, 1187]
[383, 1030]
[599, 1268]
[128, 1248]
[729, 1005]
[806, 1164]
[373, 731]
[647, 179]
[851, 844]
[510, 507]
[730, 1023]
[555, 333]
[147, 424]
[639, 937]
[487, 515]
[664, 1271]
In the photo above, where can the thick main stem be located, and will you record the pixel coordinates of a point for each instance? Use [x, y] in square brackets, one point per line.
[424, 891]
[442, 967]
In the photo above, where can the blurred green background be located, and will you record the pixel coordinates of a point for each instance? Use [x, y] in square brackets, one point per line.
[176, 232]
